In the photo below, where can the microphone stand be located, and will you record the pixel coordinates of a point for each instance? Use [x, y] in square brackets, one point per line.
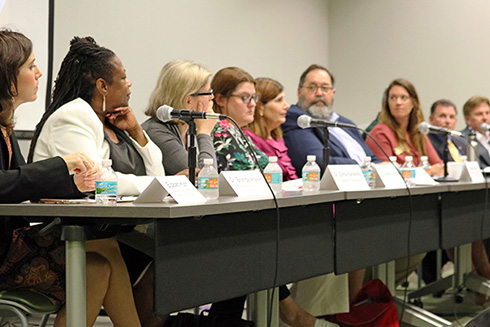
[445, 158]
[326, 148]
[191, 150]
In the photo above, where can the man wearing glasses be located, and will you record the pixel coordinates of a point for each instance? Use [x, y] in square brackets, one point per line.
[315, 98]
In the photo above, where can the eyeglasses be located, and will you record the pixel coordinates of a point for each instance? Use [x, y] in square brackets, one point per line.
[210, 93]
[247, 99]
[312, 88]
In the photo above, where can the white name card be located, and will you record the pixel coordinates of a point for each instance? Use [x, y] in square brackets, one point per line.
[387, 176]
[179, 187]
[343, 178]
[472, 173]
[244, 183]
[422, 178]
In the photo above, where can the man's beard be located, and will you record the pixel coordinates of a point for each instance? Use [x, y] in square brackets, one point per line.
[315, 110]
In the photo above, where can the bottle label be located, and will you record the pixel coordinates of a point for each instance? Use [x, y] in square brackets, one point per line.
[311, 176]
[106, 187]
[408, 173]
[427, 170]
[273, 178]
[208, 183]
[369, 175]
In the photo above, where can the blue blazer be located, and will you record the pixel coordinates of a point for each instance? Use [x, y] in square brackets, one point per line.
[483, 153]
[302, 142]
[438, 142]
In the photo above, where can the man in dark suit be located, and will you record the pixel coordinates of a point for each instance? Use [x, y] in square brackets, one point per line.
[315, 98]
[476, 112]
[443, 114]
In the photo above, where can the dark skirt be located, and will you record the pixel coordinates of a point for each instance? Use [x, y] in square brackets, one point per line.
[35, 263]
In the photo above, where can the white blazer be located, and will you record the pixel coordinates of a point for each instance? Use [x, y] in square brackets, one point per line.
[75, 127]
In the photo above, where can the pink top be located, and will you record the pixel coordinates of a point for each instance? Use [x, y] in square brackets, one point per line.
[386, 138]
[273, 147]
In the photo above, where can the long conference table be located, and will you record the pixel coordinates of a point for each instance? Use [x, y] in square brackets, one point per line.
[227, 247]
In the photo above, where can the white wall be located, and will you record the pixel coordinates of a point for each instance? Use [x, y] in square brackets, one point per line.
[31, 18]
[277, 39]
[441, 46]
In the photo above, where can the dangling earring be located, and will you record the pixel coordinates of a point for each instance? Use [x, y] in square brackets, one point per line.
[103, 104]
[261, 114]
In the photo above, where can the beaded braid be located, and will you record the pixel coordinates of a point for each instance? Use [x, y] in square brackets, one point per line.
[84, 64]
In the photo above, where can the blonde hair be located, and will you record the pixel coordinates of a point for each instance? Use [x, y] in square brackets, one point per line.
[178, 79]
[268, 89]
[473, 102]
[418, 139]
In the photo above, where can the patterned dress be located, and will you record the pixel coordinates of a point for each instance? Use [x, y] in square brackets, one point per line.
[232, 151]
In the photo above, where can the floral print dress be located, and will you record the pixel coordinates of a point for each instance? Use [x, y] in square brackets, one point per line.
[232, 151]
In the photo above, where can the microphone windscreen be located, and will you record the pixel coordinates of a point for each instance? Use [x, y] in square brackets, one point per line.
[304, 121]
[164, 113]
[484, 127]
[424, 127]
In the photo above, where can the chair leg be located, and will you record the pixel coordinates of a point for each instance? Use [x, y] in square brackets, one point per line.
[44, 320]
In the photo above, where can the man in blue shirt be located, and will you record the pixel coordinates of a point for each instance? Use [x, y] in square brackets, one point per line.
[315, 98]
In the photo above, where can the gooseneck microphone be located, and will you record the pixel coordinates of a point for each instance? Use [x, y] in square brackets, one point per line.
[166, 113]
[305, 121]
[426, 128]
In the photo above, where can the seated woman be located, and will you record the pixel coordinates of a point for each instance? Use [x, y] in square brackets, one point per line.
[90, 112]
[398, 135]
[235, 96]
[265, 130]
[107, 278]
[186, 85]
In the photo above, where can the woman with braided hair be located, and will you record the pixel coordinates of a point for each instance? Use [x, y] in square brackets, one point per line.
[90, 112]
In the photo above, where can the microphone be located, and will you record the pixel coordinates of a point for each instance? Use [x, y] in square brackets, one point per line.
[425, 128]
[484, 127]
[166, 113]
[305, 121]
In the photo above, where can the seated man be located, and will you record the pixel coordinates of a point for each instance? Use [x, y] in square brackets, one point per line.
[443, 114]
[315, 98]
[476, 112]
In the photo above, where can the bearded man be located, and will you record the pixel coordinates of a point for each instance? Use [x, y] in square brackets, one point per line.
[315, 98]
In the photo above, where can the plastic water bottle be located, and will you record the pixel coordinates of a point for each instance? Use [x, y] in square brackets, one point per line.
[393, 159]
[106, 185]
[208, 180]
[368, 172]
[408, 171]
[424, 163]
[273, 174]
[311, 175]
[472, 150]
[464, 159]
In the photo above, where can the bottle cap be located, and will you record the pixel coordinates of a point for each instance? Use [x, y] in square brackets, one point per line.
[311, 157]
[424, 158]
[272, 159]
[367, 159]
[393, 158]
[106, 162]
[408, 158]
[208, 161]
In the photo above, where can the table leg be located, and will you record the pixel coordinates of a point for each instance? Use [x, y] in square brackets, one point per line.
[76, 302]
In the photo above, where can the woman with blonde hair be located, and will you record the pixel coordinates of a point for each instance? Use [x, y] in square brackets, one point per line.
[181, 85]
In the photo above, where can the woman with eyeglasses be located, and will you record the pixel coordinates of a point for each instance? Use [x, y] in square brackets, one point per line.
[265, 130]
[183, 85]
[235, 96]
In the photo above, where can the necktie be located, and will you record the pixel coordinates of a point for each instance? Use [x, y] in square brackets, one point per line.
[453, 150]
